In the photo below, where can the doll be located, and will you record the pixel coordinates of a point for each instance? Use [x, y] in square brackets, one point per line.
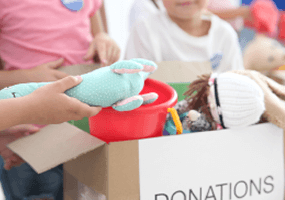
[118, 86]
[237, 99]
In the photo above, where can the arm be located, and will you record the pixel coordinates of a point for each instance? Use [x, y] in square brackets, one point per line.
[96, 24]
[103, 48]
[43, 73]
[103, 17]
[46, 105]
[13, 77]
[228, 14]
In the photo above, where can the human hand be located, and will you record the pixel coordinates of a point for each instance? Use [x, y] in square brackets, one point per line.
[246, 13]
[10, 135]
[46, 72]
[106, 48]
[49, 104]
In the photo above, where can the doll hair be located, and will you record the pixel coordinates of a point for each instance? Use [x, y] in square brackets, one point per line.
[197, 97]
[155, 3]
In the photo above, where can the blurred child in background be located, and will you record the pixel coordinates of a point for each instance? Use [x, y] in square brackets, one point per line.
[185, 32]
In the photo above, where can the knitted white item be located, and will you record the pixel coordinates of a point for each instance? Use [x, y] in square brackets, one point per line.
[241, 100]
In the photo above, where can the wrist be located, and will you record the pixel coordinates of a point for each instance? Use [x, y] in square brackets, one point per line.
[28, 110]
[245, 11]
[99, 34]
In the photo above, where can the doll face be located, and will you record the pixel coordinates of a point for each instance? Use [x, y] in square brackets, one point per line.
[185, 9]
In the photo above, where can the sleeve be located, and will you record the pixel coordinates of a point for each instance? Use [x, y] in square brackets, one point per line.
[139, 44]
[95, 6]
[232, 55]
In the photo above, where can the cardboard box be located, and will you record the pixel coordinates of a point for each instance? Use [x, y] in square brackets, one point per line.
[228, 164]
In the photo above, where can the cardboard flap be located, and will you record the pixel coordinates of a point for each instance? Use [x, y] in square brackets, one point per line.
[54, 145]
[178, 71]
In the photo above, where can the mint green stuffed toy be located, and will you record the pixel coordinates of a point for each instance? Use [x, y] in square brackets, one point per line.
[117, 85]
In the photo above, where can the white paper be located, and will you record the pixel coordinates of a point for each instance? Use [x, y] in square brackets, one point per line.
[245, 164]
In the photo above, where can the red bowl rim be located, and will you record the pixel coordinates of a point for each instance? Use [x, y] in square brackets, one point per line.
[168, 104]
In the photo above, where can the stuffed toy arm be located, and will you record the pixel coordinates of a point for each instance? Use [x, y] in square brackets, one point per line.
[275, 108]
[118, 86]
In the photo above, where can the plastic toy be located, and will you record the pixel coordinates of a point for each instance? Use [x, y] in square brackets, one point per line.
[118, 86]
[176, 120]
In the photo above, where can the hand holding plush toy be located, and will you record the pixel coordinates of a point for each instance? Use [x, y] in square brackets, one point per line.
[118, 86]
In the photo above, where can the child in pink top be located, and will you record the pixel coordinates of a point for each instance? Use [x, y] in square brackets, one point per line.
[37, 32]
[37, 37]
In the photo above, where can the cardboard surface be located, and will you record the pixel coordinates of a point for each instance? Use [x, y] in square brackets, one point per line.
[54, 145]
[124, 171]
[178, 71]
[91, 169]
[173, 166]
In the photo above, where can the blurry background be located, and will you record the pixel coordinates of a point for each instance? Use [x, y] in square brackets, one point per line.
[117, 13]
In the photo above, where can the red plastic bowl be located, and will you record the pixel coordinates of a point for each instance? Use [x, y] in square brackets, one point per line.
[144, 122]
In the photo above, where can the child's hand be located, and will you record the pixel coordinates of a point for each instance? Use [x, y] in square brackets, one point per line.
[105, 47]
[51, 106]
[10, 135]
[246, 13]
[46, 72]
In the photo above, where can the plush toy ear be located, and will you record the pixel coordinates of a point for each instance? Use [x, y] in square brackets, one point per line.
[126, 67]
[277, 88]
[148, 66]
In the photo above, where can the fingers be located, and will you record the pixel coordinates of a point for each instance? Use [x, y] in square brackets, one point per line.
[65, 83]
[91, 52]
[60, 75]
[13, 161]
[102, 52]
[55, 64]
[81, 110]
[24, 128]
[94, 111]
[115, 56]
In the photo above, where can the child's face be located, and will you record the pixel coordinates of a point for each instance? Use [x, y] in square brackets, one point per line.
[185, 9]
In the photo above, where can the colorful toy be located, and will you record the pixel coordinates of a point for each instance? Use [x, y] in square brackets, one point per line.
[176, 120]
[237, 99]
[192, 121]
[265, 16]
[118, 86]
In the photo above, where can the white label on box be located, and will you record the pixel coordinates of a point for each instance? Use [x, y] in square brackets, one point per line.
[244, 164]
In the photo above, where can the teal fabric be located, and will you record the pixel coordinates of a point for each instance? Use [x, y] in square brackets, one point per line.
[171, 128]
[101, 87]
